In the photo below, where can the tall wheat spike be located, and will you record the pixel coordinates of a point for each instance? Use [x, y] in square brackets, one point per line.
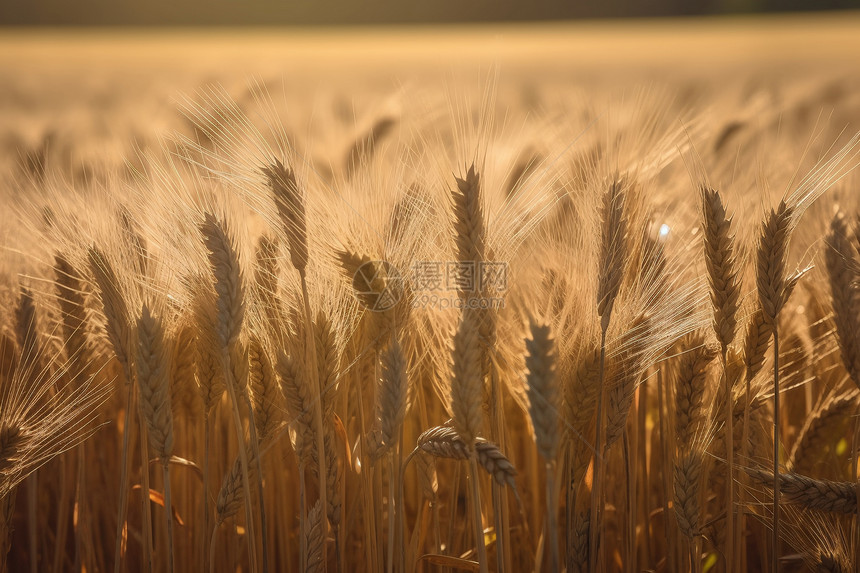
[725, 294]
[613, 258]
[290, 202]
[230, 313]
[774, 287]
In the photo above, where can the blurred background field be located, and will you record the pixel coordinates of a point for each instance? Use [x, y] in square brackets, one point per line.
[112, 90]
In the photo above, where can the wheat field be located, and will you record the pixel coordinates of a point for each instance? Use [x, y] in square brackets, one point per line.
[561, 297]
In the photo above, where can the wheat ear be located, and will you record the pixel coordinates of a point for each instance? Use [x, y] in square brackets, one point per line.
[266, 271]
[291, 208]
[392, 401]
[687, 486]
[300, 403]
[153, 375]
[445, 442]
[466, 407]
[822, 495]
[623, 388]
[210, 379]
[756, 341]
[580, 397]
[544, 406]
[721, 265]
[688, 475]
[690, 389]
[466, 384]
[841, 259]
[329, 375]
[265, 392]
[577, 550]
[393, 398]
[542, 389]
[315, 540]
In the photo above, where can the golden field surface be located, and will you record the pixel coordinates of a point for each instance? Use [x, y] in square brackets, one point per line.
[479, 298]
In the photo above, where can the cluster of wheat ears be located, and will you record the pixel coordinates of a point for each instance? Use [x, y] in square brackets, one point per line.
[226, 358]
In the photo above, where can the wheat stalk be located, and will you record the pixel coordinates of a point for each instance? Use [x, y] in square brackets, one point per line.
[471, 249]
[612, 262]
[774, 288]
[725, 293]
[230, 312]
[291, 206]
[265, 392]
